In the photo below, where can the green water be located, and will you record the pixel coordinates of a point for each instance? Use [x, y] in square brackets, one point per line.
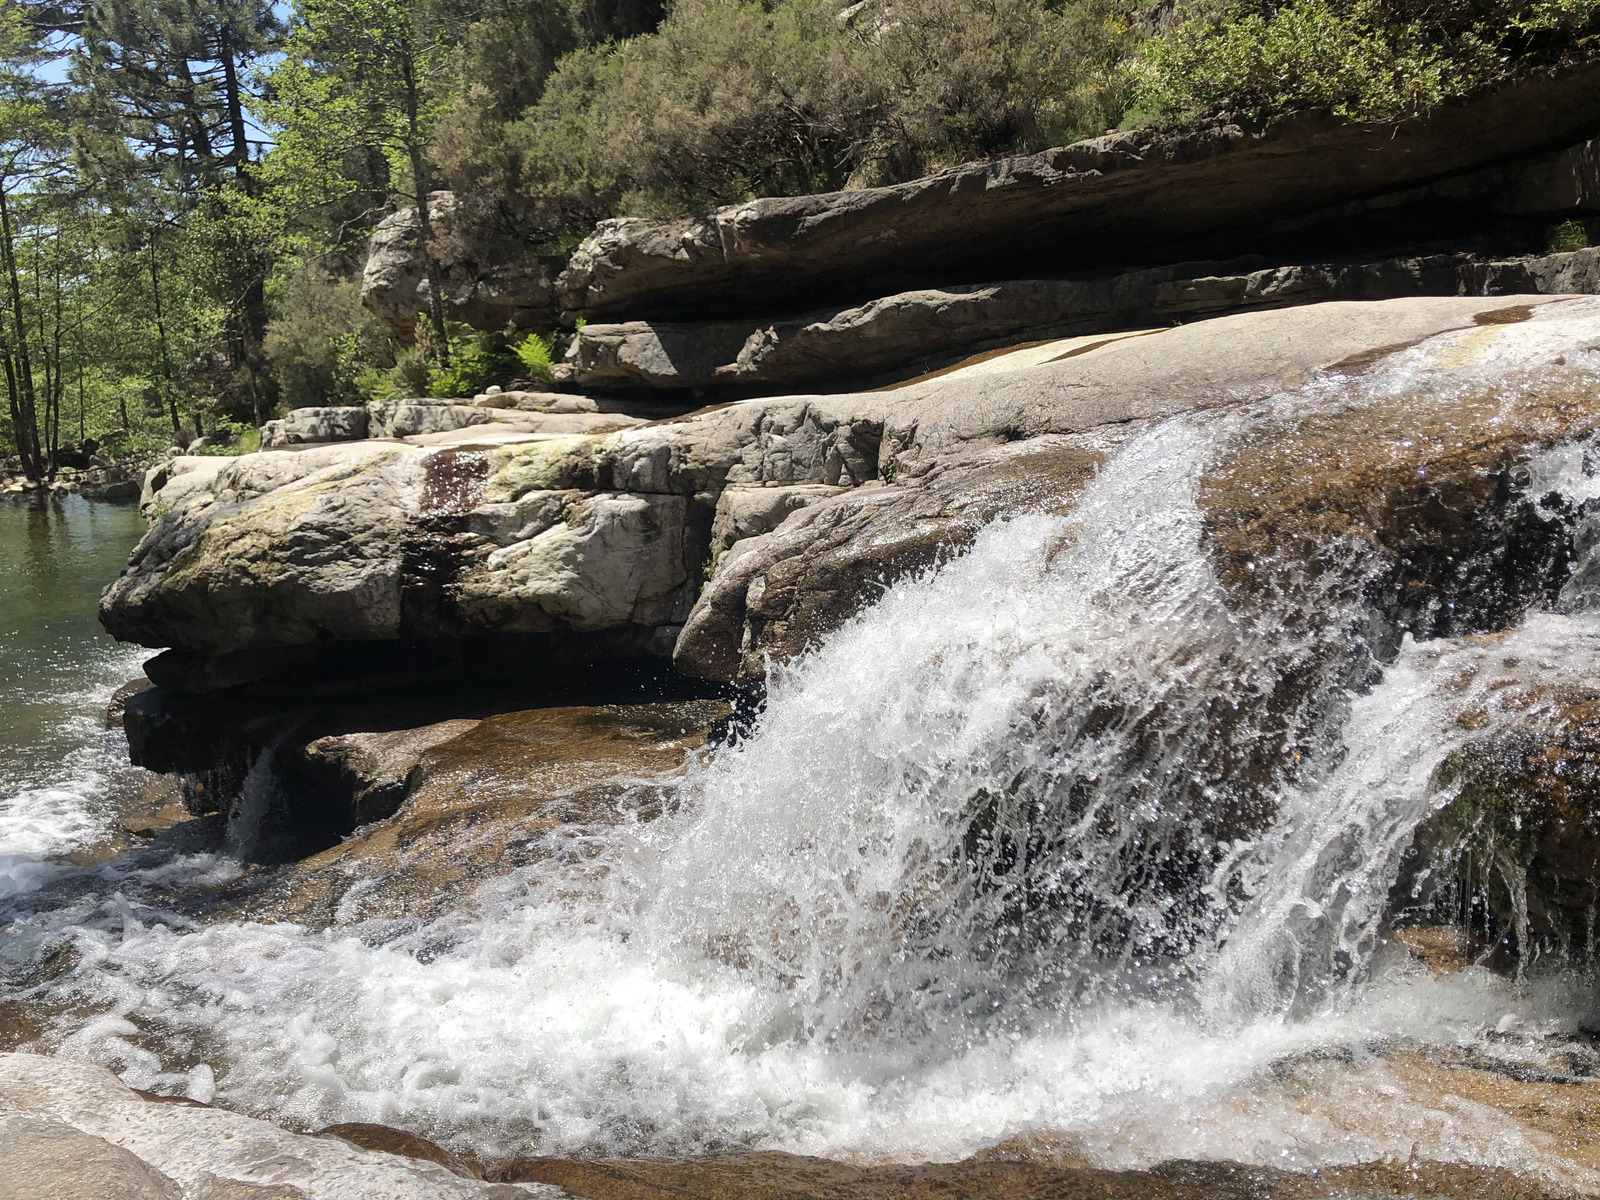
[59, 766]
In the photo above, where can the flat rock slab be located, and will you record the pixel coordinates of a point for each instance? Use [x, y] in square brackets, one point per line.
[919, 330]
[74, 1131]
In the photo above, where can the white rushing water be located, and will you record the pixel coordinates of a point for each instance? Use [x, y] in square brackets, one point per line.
[994, 861]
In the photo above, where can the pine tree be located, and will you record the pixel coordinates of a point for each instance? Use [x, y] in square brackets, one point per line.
[162, 117]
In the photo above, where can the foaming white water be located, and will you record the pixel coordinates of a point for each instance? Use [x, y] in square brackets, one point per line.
[1003, 855]
[52, 806]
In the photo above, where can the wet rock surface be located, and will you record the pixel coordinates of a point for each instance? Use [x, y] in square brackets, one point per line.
[1514, 857]
[1048, 426]
[488, 801]
[376, 769]
[791, 1177]
[73, 1131]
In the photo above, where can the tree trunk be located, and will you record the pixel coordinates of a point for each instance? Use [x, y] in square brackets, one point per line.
[419, 189]
[29, 428]
[161, 342]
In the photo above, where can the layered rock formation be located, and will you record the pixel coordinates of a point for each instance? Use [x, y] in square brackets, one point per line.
[867, 287]
[743, 531]
[890, 337]
[1142, 197]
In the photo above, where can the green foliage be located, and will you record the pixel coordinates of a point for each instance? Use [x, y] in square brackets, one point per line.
[1569, 235]
[231, 438]
[411, 375]
[1362, 60]
[535, 354]
[737, 98]
[476, 359]
[323, 339]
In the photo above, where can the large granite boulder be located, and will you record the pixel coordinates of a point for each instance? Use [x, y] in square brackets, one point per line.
[492, 276]
[1142, 197]
[383, 540]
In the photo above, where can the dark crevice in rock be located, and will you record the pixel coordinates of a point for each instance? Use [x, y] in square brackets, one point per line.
[217, 739]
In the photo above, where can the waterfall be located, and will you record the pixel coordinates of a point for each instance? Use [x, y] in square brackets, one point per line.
[1054, 838]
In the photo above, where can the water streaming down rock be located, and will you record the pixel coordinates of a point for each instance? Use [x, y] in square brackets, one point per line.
[1059, 836]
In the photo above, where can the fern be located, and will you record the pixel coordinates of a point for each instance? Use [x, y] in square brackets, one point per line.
[534, 353]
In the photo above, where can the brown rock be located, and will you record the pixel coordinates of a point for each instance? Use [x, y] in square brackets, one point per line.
[791, 1177]
[1522, 835]
[480, 804]
[375, 769]
[119, 700]
[389, 1140]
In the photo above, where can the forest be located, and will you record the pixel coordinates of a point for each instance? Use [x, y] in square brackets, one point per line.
[187, 187]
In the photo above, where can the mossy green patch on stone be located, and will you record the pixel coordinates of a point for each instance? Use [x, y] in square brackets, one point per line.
[251, 543]
[545, 465]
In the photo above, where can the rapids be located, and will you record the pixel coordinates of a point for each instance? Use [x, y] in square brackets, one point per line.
[1052, 842]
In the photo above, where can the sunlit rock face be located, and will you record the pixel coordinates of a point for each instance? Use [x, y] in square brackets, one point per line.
[520, 523]
[488, 275]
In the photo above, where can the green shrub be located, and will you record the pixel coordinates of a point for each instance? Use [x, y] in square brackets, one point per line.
[1362, 60]
[1569, 235]
[410, 376]
[233, 438]
[322, 343]
[737, 98]
[477, 358]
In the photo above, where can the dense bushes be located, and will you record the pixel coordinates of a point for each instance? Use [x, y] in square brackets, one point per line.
[734, 98]
[1363, 60]
[322, 340]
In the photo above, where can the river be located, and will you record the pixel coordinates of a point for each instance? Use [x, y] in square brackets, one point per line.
[61, 771]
